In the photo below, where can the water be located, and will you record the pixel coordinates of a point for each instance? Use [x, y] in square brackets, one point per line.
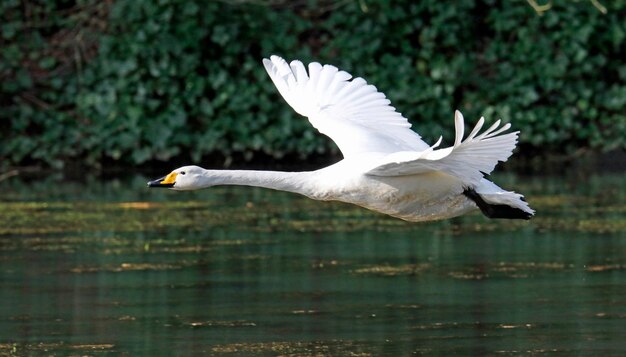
[112, 268]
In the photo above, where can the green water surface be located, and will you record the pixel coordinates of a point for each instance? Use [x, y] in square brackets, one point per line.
[109, 267]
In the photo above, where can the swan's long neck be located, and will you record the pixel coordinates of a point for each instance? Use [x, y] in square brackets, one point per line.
[297, 182]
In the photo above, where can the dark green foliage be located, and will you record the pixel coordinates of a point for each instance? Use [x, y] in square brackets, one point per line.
[135, 81]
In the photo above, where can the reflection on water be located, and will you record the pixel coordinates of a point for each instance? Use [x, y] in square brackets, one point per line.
[98, 268]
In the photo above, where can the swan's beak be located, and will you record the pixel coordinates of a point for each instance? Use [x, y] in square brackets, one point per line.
[165, 182]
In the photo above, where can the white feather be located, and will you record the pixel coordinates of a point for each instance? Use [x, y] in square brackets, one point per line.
[342, 108]
[467, 160]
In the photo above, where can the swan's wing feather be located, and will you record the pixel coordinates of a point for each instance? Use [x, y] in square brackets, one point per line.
[353, 113]
[468, 160]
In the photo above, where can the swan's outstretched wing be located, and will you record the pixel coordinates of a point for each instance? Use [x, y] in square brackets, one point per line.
[468, 159]
[356, 116]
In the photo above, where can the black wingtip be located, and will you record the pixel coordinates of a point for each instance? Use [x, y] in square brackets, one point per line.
[494, 210]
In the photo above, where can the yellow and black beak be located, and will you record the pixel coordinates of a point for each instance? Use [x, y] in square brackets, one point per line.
[165, 182]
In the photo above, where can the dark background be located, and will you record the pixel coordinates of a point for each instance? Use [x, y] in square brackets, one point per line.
[137, 83]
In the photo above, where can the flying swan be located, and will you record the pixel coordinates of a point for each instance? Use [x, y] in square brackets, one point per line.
[387, 167]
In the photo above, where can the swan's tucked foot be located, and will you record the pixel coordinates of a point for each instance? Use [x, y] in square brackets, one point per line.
[494, 210]
[495, 202]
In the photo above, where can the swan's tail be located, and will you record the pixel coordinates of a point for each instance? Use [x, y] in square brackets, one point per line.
[494, 202]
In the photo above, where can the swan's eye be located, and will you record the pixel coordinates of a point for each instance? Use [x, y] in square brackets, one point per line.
[182, 172]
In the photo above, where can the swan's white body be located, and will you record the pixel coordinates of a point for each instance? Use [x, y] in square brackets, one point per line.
[387, 167]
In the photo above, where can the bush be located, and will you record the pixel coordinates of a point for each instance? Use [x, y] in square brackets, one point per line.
[135, 81]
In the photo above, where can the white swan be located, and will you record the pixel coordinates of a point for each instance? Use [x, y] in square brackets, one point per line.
[386, 167]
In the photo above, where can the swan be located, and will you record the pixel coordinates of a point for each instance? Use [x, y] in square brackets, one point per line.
[386, 166]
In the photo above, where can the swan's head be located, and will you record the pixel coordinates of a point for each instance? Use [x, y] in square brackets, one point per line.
[183, 178]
